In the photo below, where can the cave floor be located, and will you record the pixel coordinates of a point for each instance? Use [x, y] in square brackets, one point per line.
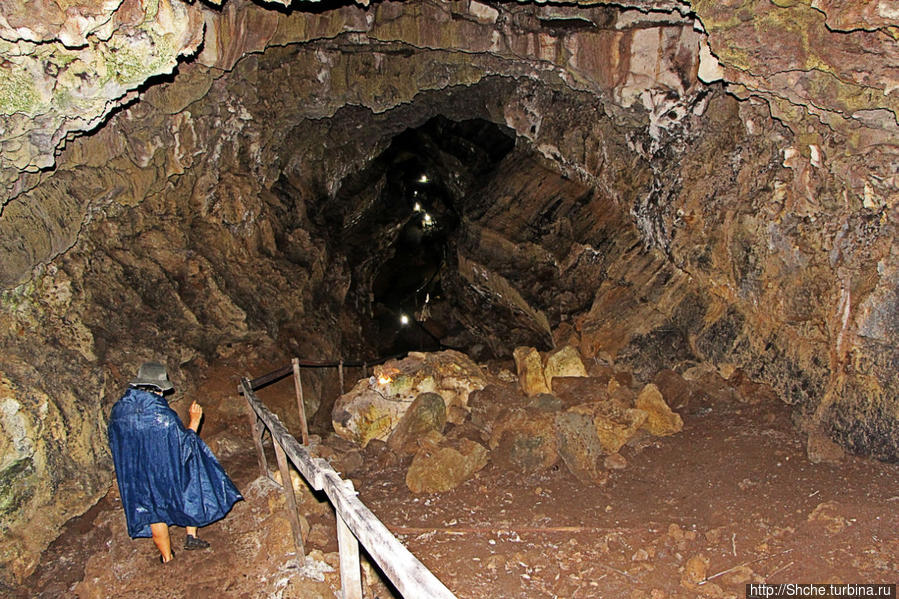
[730, 500]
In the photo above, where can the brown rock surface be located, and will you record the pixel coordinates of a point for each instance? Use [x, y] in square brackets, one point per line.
[525, 441]
[660, 419]
[692, 183]
[616, 426]
[438, 469]
[579, 447]
[427, 413]
[529, 366]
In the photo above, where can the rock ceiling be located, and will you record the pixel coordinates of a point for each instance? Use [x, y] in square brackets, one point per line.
[693, 183]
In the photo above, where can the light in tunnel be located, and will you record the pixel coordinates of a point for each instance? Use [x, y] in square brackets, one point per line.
[404, 319]
[416, 207]
[423, 178]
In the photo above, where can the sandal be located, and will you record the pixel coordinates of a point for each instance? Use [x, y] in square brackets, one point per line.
[191, 542]
[163, 562]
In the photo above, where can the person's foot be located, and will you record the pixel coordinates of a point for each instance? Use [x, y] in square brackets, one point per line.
[162, 559]
[191, 542]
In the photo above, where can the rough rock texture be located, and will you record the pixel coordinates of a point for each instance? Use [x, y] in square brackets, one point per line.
[441, 468]
[374, 408]
[693, 182]
[529, 366]
[660, 419]
[427, 413]
[564, 362]
[579, 447]
[525, 440]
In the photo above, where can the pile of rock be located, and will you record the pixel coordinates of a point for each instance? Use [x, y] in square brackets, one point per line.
[553, 411]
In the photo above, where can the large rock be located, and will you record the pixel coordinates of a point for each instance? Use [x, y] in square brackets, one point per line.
[579, 447]
[438, 469]
[661, 420]
[525, 440]
[374, 407]
[564, 362]
[529, 365]
[616, 426]
[427, 413]
[490, 405]
[574, 390]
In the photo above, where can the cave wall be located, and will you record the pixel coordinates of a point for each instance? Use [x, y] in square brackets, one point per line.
[689, 194]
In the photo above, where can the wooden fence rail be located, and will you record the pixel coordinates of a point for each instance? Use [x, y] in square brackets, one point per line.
[355, 522]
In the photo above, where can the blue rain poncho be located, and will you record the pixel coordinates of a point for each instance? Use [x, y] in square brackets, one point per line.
[166, 473]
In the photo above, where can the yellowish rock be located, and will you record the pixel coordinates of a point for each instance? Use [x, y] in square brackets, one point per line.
[530, 371]
[661, 420]
[564, 362]
[372, 409]
[434, 470]
[615, 426]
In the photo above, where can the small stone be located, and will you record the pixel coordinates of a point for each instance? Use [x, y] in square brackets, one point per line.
[822, 449]
[695, 571]
[616, 461]
[738, 576]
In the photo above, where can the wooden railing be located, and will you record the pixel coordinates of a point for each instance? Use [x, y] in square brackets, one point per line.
[355, 522]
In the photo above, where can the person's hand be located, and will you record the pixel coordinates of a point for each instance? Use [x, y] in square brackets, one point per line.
[196, 414]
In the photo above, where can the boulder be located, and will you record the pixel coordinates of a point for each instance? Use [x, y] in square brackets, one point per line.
[675, 389]
[579, 446]
[574, 390]
[525, 441]
[438, 469]
[615, 426]
[530, 371]
[661, 420]
[427, 413]
[564, 362]
[374, 406]
[491, 404]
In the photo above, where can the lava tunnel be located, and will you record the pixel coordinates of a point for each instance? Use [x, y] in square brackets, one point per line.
[634, 251]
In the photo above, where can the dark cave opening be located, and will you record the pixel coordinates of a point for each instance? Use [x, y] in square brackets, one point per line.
[398, 221]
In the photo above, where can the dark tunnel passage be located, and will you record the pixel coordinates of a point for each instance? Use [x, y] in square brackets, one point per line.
[398, 221]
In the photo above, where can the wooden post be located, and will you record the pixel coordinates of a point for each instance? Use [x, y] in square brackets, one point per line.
[301, 406]
[256, 429]
[340, 372]
[292, 514]
[365, 370]
[350, 568]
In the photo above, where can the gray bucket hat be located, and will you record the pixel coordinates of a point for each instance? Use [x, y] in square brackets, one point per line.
[153, 374]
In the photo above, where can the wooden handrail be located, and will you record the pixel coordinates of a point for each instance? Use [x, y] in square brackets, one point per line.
[408, 575]
[280, 373]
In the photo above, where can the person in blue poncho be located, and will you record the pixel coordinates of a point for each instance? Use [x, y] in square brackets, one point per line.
[166, 474]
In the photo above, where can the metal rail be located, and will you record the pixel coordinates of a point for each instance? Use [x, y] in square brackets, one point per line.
[355, 522]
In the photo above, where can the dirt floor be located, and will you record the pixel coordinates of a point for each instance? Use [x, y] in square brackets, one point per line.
[730, 500]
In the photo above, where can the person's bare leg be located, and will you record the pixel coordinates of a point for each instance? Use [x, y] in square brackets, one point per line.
[160, 532]
[191, 530]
